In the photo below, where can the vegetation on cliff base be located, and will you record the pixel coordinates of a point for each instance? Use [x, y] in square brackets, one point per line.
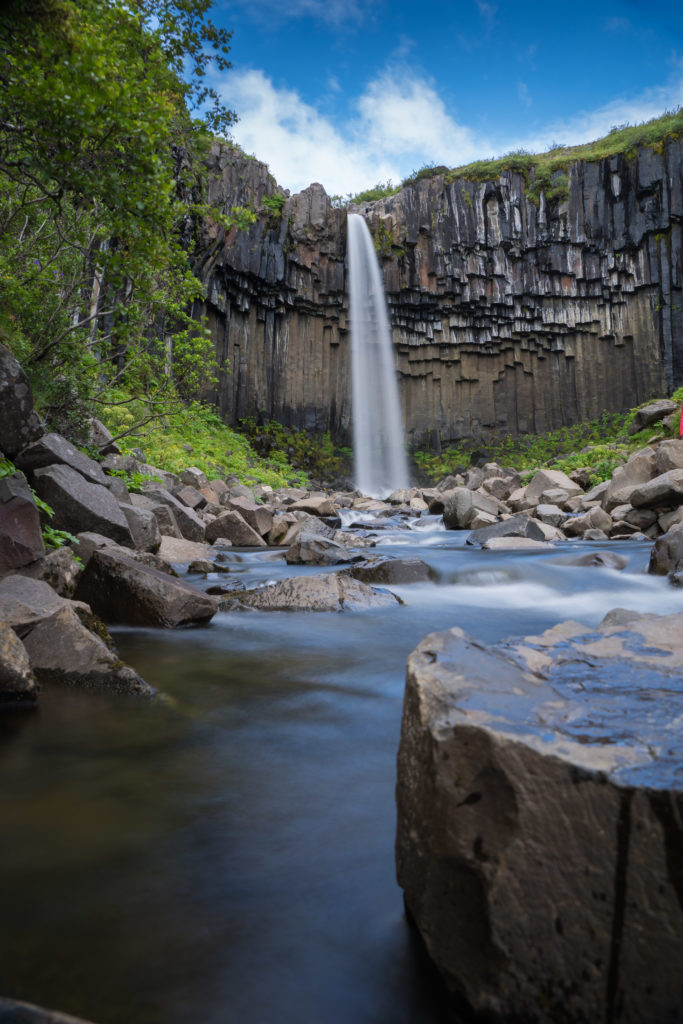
[600, 446]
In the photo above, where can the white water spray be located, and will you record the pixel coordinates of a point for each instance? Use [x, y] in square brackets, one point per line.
[379, 458]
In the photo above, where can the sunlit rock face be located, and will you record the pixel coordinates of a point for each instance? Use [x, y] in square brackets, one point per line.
[509, 313]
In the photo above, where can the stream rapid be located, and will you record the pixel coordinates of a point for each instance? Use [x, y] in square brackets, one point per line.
[225, 855]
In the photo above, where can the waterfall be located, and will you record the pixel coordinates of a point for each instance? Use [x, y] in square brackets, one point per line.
[378, 453]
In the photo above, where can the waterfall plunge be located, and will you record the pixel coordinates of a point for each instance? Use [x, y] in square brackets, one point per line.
[379, 459]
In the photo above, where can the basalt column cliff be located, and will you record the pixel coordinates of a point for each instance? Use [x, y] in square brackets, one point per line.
[509, 313]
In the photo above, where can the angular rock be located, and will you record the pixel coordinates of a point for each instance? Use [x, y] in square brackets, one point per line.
[81, 506]
[257, 516]
[547, 480]
[515, 526]
[17, 681]
[20, 425]
[21, 538]
[54, 450]
[462, 505]
[143, 527]
[384, 571]
[550, 514]
[669, 455]
[118, 488]
[191, 497]
[528, 838]
[166, 520]
[194, 477]
[102, 438]
[62, 650]
[667, 552]
[191, 526]
[652, 413]
[231, 526]
[122, 590]
[316, 505]
[595, 519]
[625, 479]
[326, 592]
[24, 602]
[666, 489]
[176, 551]
[311, 549]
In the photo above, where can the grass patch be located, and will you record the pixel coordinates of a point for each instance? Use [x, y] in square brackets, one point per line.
[198, 437]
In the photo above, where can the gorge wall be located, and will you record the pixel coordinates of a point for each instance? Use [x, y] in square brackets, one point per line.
[509, 313]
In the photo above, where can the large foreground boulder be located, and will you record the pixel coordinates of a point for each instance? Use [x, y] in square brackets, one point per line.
[540, 811]
[327, 592]
[122, 590]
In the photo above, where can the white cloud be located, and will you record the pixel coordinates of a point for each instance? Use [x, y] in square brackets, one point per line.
[399, 124]
[523, 93]
[593, 124]
[332, 12]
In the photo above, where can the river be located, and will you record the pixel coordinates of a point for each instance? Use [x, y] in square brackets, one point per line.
[225, 855]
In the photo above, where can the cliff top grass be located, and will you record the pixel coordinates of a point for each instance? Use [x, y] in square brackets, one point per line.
[544, 169]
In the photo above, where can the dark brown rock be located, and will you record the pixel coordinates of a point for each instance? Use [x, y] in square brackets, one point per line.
[52, 450]
[121, 589]
[81, 506]
[21, 538]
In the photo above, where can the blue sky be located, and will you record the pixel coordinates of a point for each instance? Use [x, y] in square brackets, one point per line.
[349, 93]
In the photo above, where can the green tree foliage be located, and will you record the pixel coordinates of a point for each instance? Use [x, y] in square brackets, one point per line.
[100, 185]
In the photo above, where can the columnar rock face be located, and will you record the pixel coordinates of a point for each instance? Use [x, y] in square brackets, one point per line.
[509, 313]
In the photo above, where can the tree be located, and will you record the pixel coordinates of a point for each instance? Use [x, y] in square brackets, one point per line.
[101, 151]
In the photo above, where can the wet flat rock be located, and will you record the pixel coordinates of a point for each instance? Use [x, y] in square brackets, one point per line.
[540, 819]
[326, 592]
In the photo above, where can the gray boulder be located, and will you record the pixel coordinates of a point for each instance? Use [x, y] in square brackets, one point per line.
[595, 519]
[666, 489]
[515, 526]
[549, 480]
[55, 450]
[667, 552]
[21, 538]
[120, 589]
[20, 425]
[540, 859]
[669, 455]
[384, 571]
[625, 479]
[62, 650]
[143, 526]
[191, 525]
[80, 505]
[326, 592]
[231, 526]
[462, 505]
[652, 413]
[17, 681]
[59, 640]
[311, 549]
[257, 516]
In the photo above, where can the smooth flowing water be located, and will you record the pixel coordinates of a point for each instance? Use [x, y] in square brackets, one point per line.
[380, 465]
[225, 856]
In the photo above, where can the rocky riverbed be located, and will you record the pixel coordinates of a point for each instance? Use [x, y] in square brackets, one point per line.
[559, 799]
